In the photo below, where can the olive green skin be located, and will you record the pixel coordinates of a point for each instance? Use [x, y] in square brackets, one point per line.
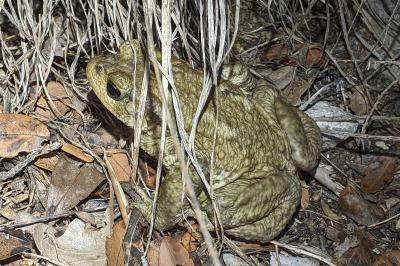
[261, 143]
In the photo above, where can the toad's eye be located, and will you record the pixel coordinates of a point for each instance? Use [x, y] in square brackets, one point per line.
[113, 92]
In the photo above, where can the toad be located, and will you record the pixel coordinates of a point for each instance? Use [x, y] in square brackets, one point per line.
[261, 142]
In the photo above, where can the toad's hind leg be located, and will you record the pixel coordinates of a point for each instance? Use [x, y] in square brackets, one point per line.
[263, 209]
[303, 134]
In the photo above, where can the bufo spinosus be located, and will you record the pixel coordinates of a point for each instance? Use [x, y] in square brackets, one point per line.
[261, 143]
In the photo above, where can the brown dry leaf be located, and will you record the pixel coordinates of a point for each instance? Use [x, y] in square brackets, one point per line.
[153, 254]
[296, 89]
[173, 253]
[20, 133]
[191, 239]
[310, 55]
[61, 99]
[77, 152]
[71, 182]
[119, 161]
[114, 247]
[360, 255]
[281, 53]
[275, 52]
[305, 195]
[8, 213]
[11, 245]
[389, 258]
[48, 161]
[315, 57]
[358, 209]
[376, 178]
[303, 54]
[149, 174]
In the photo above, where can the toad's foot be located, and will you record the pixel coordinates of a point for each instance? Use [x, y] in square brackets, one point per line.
[145, 207]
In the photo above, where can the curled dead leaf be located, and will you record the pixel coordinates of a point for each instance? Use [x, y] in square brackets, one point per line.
[358, 101]
[77, 244]
[299, 53]
[315, 57]
[276, 52]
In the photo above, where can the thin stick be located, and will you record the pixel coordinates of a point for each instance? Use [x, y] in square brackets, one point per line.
[31, 255]
[29, 158]
[46, 219]
[361, 136]
[298, 250]
[384, 221]
[119, 194]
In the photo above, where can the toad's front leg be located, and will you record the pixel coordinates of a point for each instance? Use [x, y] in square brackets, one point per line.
[171, 206]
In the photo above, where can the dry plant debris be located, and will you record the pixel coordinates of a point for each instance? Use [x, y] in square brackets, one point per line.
[378, 177]
[335, 59]
[79, 244]
[173, 253]
[58, 104]
[353, 205]
[389, 258]
[13, 245]
[20, 133]
[114, 247]
[71, 182]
